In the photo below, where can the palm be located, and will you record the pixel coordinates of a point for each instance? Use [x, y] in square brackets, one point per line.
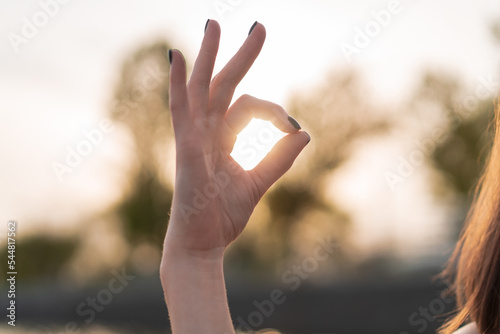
[214, 197]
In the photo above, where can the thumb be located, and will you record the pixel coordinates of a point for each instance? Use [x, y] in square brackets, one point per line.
[279, 160]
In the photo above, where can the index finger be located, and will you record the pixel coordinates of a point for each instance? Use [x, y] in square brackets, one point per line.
[247, 107]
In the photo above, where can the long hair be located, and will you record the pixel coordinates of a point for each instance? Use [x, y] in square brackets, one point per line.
[474, 267]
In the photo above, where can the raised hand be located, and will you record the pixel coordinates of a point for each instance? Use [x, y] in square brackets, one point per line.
[213, 196]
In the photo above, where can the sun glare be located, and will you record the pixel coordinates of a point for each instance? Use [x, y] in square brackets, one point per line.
[254, 142]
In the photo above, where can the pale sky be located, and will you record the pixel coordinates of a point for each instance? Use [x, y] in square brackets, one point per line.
[59, 82]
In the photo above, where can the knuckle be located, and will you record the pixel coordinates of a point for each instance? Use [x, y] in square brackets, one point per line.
[197, 84]
[246, 98]
[221, 82]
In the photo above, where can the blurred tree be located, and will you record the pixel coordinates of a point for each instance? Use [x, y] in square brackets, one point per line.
[339, 112]
[140, 105]
[145, 210]
[461, 150]
[461, 156]
[40, 257]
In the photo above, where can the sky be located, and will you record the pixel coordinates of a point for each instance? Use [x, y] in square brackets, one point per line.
[56, 83]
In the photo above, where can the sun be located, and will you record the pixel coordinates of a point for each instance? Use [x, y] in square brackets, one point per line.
[254, 142]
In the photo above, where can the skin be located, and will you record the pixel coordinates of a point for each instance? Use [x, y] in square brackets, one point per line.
[213, 196]
[468, 329]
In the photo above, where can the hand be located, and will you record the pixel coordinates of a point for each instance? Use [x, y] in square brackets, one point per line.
[213, 196]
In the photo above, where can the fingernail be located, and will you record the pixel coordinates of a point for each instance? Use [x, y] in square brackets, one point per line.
[206, 25]
[170, 56]
[294, 122]
[251, 29]
[308, 137]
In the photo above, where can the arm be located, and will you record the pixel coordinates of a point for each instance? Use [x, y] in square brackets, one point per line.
[213, 196]
[195, 293]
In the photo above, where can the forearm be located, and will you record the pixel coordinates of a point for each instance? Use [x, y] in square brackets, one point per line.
[195, 293]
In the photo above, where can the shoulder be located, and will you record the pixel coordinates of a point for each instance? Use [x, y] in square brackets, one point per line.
[468, 329]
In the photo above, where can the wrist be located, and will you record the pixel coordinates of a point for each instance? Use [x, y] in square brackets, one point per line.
[179, 259]
[194, 288]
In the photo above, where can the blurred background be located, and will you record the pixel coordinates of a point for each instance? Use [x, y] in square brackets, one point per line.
[398, 97]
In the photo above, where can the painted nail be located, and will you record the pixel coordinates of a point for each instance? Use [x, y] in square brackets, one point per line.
[251, 29]
[308, 136]
[170, 56]
[206, 25]
[294, 122]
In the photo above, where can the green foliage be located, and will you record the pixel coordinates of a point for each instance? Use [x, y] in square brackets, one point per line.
[140, 105]
[461, 157]
[338, 112]
[40, 256]
[289, 200]
[145, 212]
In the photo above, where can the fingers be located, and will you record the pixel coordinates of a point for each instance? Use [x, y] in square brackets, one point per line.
[279, 160]
[225, 82]
[198, 86]
[179, 105]
[247, 107]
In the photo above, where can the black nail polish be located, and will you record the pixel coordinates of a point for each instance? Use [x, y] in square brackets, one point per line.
[251, 29]
[206, 25]
[308, 136]
[170, 56]
[294, 122]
